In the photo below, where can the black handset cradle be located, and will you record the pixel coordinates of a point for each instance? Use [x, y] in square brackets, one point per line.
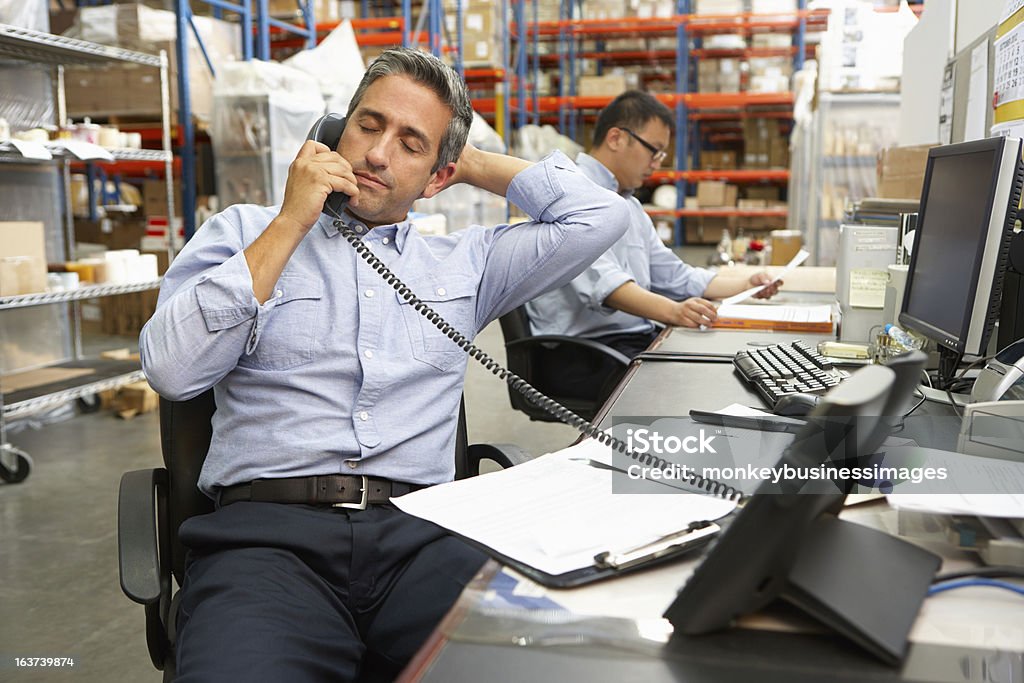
[327, 130]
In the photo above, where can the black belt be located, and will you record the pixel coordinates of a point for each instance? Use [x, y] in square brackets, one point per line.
[337, 490]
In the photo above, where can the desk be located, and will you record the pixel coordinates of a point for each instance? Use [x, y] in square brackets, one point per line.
[969, 635]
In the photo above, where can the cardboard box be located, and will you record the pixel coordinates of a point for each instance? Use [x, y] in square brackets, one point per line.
[716, 160]
[154, 198]
[111, 232]
[768, 193]
[22, 258]
[608, 85]
[708, 229]
[900, 172]
[712, 193]
[136, 399]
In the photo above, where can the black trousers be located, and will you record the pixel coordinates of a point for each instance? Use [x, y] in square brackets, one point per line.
[296, 593]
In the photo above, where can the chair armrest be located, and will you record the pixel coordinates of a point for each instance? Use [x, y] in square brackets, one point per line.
[141, 503]
[580, 342]
[505, 454]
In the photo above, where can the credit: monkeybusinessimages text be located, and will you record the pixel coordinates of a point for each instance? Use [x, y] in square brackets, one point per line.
[790, 473]
[650, 441]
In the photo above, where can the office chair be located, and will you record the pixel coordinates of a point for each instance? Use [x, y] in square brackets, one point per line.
[538, 358]
[153, 503]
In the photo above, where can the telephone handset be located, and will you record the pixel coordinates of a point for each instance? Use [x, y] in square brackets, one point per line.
[328, 130]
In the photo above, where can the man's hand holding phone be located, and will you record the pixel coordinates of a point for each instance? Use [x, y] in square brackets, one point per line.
[316, 172]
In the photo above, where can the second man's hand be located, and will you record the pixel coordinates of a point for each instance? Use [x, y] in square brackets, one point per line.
[695, 313]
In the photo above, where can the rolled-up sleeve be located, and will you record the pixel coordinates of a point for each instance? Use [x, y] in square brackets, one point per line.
[574, 222]
[206, 315]
[670, 276]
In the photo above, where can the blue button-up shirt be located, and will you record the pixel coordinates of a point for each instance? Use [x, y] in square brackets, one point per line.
[335, 373]
[578, 309]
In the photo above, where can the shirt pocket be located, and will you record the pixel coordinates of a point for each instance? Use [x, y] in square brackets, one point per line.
[289, 334]
[452, 298]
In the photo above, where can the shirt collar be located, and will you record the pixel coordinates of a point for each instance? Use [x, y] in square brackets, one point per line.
[600, 174]
[399, 232]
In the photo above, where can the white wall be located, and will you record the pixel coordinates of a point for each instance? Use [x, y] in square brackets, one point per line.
[973, 18]
[926, 49]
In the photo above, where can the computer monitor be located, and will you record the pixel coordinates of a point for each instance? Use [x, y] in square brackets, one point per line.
[969, 204]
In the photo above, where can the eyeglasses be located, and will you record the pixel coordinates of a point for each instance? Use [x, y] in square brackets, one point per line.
[657, 154]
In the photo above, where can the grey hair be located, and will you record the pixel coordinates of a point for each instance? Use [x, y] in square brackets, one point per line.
[431, 72]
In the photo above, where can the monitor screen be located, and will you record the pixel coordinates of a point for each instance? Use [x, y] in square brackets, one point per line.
[968, 204]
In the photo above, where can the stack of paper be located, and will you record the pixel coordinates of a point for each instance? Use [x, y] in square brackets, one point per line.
[555, 513]
[789, 318]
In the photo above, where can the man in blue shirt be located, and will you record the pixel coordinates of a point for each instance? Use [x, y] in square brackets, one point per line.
[331, 390]
[638, 280]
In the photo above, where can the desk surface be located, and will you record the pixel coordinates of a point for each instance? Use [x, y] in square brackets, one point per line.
[497, 633]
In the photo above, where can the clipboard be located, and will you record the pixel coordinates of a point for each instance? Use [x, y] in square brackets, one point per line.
[608, 565]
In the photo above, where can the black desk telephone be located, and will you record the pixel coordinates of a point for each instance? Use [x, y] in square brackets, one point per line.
[328, 130]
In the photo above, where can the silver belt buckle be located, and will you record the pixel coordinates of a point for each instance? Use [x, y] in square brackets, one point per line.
[361, 505]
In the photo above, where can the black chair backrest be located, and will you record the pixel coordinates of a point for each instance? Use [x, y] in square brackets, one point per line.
[515, 324]
[185, 433]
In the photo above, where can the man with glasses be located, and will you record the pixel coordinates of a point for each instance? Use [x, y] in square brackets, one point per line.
[639, 280]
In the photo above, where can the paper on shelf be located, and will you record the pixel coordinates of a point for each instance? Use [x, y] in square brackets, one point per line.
[86, 151]
[556, 512]
[31, 150]
[799, 258]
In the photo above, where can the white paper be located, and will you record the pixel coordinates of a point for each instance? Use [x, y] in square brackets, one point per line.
[820, 313]
[981, 505]
[1002, 480]
[86, 151]
[556, 512]
[799, 258]
[31, 150]
[977, 94]
[742, 411]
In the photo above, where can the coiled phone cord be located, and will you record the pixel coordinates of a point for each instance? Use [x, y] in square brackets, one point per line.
[556, 409]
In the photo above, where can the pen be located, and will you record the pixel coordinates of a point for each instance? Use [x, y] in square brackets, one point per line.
[765, 424]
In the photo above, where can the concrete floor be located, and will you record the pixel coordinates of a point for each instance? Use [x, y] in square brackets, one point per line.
[59, 589]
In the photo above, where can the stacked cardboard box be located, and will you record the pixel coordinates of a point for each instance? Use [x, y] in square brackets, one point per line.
[717, 160]
[716, 194]
[22, 258]
[130, 89]
[718, 7]
[901, 171]
[764, 145]
[718, 75]
[482, 28]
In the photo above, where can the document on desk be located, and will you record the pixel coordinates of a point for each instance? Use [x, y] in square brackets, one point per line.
[986, 487]
[799, 258]
[792, 317]
[557, 512]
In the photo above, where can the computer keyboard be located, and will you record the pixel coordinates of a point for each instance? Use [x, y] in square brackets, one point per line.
[782, 369]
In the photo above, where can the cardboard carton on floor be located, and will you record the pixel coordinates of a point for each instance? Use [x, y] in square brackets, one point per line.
[136, 399]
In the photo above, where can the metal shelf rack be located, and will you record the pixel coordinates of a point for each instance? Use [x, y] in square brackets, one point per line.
[43, 48]
[691, 108]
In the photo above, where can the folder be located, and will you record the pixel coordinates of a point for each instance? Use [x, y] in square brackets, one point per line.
[609, 564]
[556, 519]
[789, 318]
